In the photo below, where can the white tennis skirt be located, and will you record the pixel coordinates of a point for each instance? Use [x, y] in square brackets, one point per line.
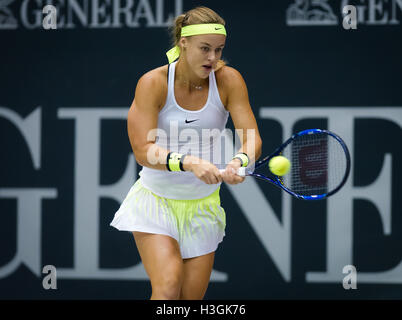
[198, 225]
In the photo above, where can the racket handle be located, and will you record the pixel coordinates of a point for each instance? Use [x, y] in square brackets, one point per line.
[240, 172]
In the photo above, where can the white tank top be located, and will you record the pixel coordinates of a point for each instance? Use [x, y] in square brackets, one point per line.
[198, 133]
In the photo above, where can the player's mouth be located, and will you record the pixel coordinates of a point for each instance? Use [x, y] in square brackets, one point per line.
[207, 67]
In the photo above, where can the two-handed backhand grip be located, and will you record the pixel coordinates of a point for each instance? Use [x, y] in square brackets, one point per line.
[240, 172]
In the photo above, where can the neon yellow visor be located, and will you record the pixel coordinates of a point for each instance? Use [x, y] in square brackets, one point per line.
[194, 30]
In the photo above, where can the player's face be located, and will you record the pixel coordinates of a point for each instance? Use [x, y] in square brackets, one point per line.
[203, 52]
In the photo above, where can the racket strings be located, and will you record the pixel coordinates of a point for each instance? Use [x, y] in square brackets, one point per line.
[318, 164]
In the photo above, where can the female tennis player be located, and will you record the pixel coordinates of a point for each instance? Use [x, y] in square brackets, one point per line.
[174, 209]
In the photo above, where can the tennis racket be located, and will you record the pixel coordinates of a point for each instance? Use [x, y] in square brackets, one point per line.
[320, 165]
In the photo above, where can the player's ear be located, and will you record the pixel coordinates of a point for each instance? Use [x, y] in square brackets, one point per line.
[183, 43]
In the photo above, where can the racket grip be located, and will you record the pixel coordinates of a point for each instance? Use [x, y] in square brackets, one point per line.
[240, 172]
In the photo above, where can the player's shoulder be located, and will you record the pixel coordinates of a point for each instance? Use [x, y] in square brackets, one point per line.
[152, 86]
[230, 82]
[228, 75]
[155, 78]
[227, 72]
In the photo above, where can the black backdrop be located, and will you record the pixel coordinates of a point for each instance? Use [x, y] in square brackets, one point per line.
[64, 95]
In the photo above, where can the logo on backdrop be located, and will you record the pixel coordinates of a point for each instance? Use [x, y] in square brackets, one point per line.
[72, 14]
[322, 13]
[7, 19]
[310, 12]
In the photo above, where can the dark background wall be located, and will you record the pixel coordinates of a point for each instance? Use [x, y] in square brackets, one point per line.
[66, 161]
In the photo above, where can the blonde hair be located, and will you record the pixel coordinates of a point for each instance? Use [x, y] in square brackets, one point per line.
[197, 15]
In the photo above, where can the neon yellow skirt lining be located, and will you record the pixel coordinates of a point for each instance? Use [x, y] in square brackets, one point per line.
[198, 225]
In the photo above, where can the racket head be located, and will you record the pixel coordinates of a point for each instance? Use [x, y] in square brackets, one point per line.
[320, 164]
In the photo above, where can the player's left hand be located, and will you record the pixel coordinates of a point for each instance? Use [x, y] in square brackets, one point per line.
[229, 175]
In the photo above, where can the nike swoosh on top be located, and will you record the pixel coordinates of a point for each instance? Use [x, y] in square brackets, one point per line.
[218, 28]
[189, 121]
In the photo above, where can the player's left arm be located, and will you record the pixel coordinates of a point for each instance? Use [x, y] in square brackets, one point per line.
[238, 105]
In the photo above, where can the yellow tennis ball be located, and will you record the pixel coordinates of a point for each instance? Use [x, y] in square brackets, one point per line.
[279, 165]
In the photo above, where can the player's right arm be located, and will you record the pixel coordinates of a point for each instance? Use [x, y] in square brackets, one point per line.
[142, 122]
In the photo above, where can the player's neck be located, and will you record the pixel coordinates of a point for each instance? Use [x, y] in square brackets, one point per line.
[187, 78]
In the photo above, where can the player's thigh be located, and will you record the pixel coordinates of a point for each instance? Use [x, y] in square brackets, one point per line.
[160, 255]
[197, 273]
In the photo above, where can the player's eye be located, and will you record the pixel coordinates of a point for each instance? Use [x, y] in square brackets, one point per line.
[206, 49]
